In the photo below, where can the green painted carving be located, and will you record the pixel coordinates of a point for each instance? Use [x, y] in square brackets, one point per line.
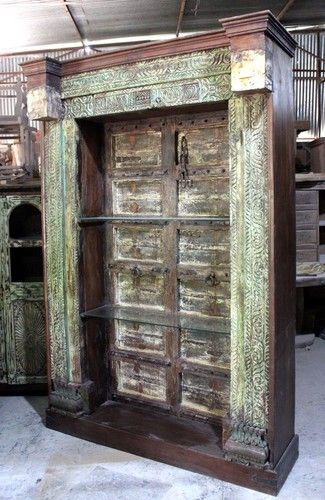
[250, 221]
[54, 253]
[196, 65]
[30, 351]
[71, 249]
[212, 89]
[61, 215]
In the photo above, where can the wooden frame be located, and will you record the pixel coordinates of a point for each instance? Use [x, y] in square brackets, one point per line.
[247, 66]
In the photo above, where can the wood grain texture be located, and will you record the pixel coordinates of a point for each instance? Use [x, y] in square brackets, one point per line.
[185, 443]
[282, 351]
[179, 270]
[165, 182]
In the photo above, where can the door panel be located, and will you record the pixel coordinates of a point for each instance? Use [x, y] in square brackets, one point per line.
[168, 255]
[205, 348]
[137, 197]
[29, 334]
[204, 393]
[134, 150]
[141, 337]
[137, 378]
[204, 247]
[207, 145]
[208, 196]
[139, 243]
[140, 288]
[199, 296]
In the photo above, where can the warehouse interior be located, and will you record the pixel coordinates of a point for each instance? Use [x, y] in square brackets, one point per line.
[162, 237]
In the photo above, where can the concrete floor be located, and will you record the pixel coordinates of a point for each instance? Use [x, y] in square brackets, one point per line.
[37, 463]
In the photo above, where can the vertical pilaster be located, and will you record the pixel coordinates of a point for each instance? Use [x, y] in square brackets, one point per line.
[69, 390]
[253, 40]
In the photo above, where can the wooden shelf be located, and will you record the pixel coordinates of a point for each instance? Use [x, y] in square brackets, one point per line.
[310, 177]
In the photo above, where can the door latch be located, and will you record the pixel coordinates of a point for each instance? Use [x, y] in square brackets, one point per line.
[183, 162]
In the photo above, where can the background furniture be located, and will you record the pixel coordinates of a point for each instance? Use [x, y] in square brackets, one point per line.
[22, 320]
[310, 220]
[22, 315]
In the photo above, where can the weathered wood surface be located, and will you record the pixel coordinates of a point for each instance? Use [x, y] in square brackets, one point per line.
[180, 271]
[307, 224]
[139, 379]
[262, 225]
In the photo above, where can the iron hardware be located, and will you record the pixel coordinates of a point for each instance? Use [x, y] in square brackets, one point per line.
[136, 271]
[160, 270]
[183, 161]
[211, 280]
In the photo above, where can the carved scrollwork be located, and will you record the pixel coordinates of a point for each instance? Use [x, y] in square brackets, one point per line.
[171, 70]
[250, 220]
[29, 328]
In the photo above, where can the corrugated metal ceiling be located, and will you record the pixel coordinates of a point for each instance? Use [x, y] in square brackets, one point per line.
[29, 24]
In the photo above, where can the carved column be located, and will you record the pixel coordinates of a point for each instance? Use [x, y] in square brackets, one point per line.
[253, 39]
[70, 393]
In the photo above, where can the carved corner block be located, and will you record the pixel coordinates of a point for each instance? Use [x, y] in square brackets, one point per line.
[251, 39]
[247, 445]
[44, 103]
[251, 70]
[44, 90]
[72, 399]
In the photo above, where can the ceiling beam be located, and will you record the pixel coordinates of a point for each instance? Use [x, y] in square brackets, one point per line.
[68, 9]
[284, 9]
[180, 16]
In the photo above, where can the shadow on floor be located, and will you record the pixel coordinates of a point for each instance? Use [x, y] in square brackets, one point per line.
[39, 403]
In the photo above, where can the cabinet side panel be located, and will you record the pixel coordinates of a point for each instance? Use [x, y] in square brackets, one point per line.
[282, 354]
[91, 276]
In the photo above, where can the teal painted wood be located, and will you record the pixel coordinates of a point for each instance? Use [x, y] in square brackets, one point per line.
[61, 201]
[250, 262]
[22, 341]
[54, 203]
[168, 70]
[164, 82]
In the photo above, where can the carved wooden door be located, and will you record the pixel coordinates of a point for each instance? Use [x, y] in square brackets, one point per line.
[22, 320]
[168, 262]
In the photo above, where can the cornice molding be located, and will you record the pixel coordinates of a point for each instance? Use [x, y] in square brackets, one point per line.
[143, 52]
[262, 22]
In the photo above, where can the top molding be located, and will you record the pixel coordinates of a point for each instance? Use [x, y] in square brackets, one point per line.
[262, 22]
[145, 51]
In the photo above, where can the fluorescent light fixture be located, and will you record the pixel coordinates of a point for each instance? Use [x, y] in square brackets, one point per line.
[140, 38]
[23, 49]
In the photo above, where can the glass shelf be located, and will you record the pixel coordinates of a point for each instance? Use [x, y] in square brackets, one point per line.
[180, 320]
[154, 220]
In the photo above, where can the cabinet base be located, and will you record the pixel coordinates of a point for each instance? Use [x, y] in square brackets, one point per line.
[23, 389]
[184, 443]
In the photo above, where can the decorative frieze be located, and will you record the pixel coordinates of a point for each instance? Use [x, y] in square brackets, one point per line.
[215, 88]
[197, 65]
